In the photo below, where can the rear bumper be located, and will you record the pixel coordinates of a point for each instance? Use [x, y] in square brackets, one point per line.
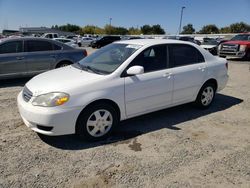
[222, 82]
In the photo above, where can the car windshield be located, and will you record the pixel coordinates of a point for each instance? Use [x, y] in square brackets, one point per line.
[242, 37]
[108, 59]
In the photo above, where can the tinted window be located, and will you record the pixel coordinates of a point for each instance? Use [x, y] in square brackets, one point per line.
[152, 59]
[11, 47]
[182, 54]
[34, 46]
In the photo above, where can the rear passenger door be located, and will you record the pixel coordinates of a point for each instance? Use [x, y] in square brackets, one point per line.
[40, 56]
[189, 71]
[12, 60]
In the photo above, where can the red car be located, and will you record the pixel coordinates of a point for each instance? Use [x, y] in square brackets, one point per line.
[237, 47]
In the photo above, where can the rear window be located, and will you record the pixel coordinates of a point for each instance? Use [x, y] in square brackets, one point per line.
[36, 46]
[11, 47]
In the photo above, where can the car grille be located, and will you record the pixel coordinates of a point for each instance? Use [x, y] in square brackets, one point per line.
[27, 94]
[230, 47]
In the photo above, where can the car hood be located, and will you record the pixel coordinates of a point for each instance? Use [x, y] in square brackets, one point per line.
[237, 42]
[61, 80]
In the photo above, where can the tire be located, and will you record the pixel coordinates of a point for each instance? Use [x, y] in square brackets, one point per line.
[205, 96]
[79, 44]
[247, 56]
[63, 64]
[96, 122]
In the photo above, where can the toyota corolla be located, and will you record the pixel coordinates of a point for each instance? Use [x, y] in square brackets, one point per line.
[120, 81]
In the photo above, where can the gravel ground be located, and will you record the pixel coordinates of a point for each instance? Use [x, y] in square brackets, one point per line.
[177, 147]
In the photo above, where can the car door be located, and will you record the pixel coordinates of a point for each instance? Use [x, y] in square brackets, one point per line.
[40, 56]
[189, 71]
[12, 61]
[153, 88]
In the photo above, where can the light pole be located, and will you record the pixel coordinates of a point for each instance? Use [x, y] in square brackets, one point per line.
[110, 19]
[182, 8]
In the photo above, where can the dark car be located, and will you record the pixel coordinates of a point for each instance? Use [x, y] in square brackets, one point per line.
[104, 41]
[30, 56]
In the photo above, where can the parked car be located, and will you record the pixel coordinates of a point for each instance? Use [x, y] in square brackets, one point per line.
[30, 56]
[50, 35]
[237, 47]
[120, 81]
[69, 42]
[104, 41]
[210, 45]
[84, 41]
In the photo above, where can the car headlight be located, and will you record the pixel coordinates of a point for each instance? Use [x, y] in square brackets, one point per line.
[51, 99]
[243, 47]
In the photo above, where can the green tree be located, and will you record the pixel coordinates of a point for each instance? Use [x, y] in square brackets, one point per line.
[188, 29]
[70, 28]
[121, 31]
[225, 30]
[146, 29]
[91, 29]
[157, 29]
[154, 29]
[239, 27]
[134, 31]
[209, 29]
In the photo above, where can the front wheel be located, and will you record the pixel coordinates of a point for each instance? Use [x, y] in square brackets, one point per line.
[97, 122]
[205, 96]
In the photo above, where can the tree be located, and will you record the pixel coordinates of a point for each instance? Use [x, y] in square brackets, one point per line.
[70, 28]
[156, 29]
[239, 27]
[209, 29]
[134, 31]
[225, 30]
[146, 30]
[121, 31]
[188, 29]
[91, 29]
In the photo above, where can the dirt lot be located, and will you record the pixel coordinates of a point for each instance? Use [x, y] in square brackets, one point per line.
[178, 147]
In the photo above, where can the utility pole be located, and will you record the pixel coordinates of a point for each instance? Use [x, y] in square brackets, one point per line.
[182, 8]
[110, 20]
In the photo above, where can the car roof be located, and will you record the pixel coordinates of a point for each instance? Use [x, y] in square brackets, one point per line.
[145, 42]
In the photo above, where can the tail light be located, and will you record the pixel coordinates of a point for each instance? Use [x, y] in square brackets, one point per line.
[85, 53]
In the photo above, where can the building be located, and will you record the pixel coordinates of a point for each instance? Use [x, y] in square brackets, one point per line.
[42, 30]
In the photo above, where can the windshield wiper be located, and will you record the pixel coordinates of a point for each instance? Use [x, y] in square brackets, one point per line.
[89, 68]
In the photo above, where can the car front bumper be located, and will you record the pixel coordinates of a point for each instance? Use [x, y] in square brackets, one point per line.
[50, 121]
[239, 54]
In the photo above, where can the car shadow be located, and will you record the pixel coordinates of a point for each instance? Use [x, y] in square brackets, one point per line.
[164, 119]
[14, 82]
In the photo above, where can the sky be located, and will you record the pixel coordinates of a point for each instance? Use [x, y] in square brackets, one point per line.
[126, 13]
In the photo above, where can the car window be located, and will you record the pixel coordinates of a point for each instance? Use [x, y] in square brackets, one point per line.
[152, 59]
[183, 54]
[35, 46]
[11, 47]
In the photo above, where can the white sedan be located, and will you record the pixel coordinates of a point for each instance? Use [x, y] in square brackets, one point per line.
[84, 41]
[69, 42]
[120, 81]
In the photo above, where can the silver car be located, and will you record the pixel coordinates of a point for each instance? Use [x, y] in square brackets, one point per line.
[30, 56]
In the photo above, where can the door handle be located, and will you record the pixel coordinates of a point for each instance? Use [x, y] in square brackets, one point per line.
[167, 74]
[19, 58]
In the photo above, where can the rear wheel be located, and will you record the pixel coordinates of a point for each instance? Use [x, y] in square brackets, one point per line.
[97, 122]
[205, 96]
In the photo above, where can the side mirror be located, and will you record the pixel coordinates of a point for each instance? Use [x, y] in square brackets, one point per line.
[135, 70]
